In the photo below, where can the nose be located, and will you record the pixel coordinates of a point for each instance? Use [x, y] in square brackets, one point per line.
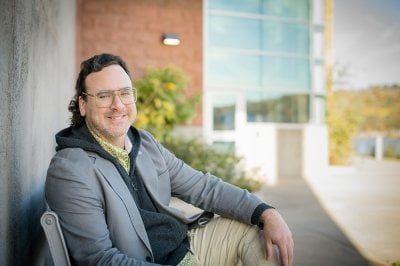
[117, 102]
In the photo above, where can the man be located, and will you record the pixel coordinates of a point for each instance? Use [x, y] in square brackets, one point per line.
[111, 185]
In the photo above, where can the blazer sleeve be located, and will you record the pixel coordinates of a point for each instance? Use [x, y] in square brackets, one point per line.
[203, 190]
[73, 192]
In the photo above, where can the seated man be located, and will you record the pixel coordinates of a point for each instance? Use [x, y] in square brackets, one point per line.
[111, 186]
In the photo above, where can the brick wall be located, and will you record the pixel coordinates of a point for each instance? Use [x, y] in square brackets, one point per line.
[133, 30]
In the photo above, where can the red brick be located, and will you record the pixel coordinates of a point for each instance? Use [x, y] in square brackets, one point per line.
[133, 30]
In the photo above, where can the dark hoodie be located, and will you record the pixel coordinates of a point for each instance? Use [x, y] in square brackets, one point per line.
[167, 236]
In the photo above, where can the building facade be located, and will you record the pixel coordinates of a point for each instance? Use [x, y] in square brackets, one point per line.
[260, 65]
[264, 83]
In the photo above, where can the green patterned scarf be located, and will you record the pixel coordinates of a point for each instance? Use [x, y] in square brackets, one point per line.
[121, 155]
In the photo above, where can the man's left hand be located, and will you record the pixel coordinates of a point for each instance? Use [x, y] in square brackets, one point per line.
[276, 232]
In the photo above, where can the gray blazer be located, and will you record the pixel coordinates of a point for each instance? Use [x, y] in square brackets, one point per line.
[99, 217]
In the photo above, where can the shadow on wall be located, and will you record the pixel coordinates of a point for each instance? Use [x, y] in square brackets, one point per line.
[27, 237]
[37, 70]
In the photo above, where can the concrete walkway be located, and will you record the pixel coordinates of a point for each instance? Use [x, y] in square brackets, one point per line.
[364, 201]
[347, 216]
[318, 240]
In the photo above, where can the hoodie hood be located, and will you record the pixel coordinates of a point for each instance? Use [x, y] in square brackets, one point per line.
[80, 137]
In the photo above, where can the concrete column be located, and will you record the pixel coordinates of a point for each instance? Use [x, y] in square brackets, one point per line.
[378, 147]
[37, 51]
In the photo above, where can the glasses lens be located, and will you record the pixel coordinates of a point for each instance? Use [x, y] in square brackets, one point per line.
[126, 96]
[105, 98]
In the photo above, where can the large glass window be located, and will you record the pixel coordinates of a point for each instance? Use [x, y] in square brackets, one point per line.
[261, 48]
[298, 9]
[233, 69]
[282, 73]
[234, 32]
[224, 146]
[260, 35]
[285, 37]
[257, 51]
[224, 112]
[277, 108]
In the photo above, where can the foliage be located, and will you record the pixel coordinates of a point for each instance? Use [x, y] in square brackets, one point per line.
[342, 121]
[351, 112]
[380, 108]
[205, 158]
[162, 103]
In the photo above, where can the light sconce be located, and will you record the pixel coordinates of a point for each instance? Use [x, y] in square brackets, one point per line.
[170, 39]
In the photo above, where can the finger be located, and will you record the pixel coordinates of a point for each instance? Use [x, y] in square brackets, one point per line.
[284, 255]
[291, 252]
[270, 249]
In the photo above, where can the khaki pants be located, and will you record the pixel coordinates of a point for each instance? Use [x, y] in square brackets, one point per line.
[228, 242]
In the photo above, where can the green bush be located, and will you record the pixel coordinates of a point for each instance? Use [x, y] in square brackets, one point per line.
[162, 105]
[162, 102]
[205, 158]
[343, 121]
[350, 112]
[391, 152]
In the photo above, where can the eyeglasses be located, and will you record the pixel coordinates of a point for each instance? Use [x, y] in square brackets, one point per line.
[106, 98]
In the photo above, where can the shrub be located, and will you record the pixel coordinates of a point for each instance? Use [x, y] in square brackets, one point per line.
[205, 158]
[162, 103]
[343, 121]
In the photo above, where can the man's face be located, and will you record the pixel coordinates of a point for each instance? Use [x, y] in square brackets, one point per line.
[112, 122]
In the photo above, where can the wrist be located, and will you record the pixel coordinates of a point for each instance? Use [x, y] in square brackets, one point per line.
[264, 217]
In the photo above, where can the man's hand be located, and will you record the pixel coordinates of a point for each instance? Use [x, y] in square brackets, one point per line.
[277, 232]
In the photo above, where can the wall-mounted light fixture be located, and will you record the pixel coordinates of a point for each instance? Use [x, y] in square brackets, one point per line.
[170, 39]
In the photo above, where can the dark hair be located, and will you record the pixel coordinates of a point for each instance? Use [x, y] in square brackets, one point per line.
[93, 64]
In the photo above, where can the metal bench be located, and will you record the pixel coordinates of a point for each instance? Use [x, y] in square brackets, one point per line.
[55, 238]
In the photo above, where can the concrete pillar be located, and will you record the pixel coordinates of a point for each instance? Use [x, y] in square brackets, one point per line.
[37, 60]
[378, 147]
[315, 150]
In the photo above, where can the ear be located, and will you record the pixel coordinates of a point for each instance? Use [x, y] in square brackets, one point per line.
[82, 106]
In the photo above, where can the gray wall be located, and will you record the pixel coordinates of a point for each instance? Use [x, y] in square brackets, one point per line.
[37, 60]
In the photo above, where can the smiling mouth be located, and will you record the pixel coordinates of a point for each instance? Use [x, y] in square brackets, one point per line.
[116, 117]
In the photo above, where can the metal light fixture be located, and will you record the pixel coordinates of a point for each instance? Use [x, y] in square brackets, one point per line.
[170, 39]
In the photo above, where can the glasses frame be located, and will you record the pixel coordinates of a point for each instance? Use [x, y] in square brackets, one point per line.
[115, 93]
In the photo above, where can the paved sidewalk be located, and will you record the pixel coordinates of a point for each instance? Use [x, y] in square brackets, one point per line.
[364, 200]
[346, 216]
[349, 216]
[318, 240]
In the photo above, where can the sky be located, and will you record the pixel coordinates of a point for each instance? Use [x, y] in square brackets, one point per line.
[366, 43]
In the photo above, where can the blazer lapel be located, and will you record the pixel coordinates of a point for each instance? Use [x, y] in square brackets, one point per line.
[114, 179]
[160, 193]
[147, 172]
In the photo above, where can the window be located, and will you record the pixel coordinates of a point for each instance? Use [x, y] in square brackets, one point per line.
[258, 34]
[297, 9]
[260, 48]
[224, 112]
[234, 32]
[233, 70]
[285, 37]
[277, 108]
[224, 146]
[290, 74]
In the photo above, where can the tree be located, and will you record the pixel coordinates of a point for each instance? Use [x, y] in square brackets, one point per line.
[343, 122]
[162, 105]
[350, 112]
[380, 108]
[162, 101]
